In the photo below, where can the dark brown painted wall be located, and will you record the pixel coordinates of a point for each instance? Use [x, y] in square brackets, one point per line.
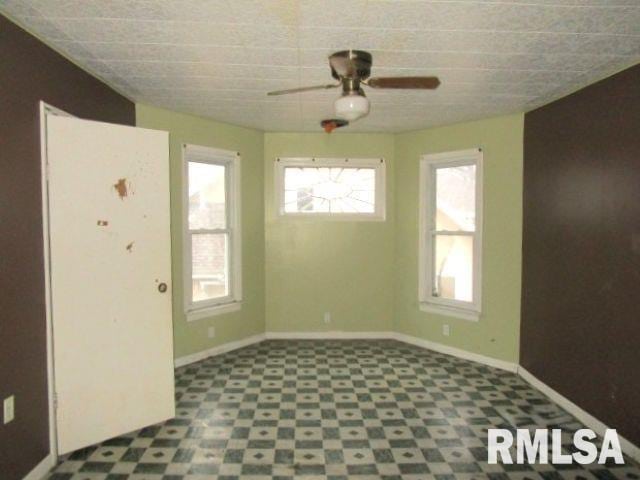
[581, 249]
[30, 72]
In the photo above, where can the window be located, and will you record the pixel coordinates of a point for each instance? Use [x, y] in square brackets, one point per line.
[211, 212]
[451, 233]
[347, 188]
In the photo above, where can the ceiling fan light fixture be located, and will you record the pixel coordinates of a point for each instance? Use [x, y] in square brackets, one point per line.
[352, 69]
[351, 106]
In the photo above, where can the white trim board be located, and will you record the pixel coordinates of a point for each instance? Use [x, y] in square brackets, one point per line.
[235, 345]
[329, 335]
[456, 352]
[42, 469]
[218, 350]
[629, 449]
[45, 111]
[344, 335]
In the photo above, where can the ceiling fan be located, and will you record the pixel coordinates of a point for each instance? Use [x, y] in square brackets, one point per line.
[352, 69]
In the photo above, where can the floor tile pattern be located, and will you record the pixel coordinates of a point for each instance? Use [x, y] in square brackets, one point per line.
[335, 410]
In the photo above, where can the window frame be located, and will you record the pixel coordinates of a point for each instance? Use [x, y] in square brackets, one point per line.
[233, 301]
[378, 164]
[427, 233]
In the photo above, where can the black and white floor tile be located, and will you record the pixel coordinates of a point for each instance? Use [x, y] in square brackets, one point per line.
[335, 410]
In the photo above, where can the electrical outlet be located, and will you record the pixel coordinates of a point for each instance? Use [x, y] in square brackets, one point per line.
[211, 332]
[9, 409]
[327, 317]
[446, 331]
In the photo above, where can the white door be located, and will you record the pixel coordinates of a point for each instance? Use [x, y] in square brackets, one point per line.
[108, 188]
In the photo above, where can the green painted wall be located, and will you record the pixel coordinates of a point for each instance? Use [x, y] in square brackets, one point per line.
[364, 273]
[497, 332]
[191, 337]
[317, 266]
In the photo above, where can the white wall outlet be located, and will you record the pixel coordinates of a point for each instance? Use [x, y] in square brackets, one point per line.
[9, 411]
[211, 332]
[327, 317]
[446, 330]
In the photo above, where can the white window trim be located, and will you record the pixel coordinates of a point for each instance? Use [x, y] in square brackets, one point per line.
[378, 164]
[233, 301]
[429, 303]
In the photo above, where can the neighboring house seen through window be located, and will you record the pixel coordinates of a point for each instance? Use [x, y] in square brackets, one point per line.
[211, 231]
[451, 233]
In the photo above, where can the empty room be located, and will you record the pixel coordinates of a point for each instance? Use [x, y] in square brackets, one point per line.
[320, 239]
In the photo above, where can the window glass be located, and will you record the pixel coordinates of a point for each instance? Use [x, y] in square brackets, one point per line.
[210, 266]
[453, 267]
[329, 190]
[207, 187]
[456, 198]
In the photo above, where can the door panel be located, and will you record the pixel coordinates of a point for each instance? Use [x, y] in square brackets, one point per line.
[110, 251]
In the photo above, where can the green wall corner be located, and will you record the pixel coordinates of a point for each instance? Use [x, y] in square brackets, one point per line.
[497, 332]
[365, 274]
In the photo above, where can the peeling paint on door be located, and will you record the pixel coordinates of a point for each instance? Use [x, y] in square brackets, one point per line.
[130, 247]
[121, 187]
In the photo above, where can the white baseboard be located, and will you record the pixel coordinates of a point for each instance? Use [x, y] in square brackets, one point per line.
[211, 352]
[329, 335]
[456, 352]
[42, 469]
[631, 450]
[227, 347]
[386, 335]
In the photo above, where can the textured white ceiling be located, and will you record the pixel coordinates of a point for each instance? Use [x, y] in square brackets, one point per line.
[218, 58]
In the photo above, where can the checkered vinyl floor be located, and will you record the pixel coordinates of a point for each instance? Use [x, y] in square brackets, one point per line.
[334, 410]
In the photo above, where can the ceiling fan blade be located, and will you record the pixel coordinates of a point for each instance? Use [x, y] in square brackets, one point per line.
[427, 83]
[303, 89]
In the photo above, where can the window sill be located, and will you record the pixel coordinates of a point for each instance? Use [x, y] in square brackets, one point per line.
[207, 312]
[462, 313]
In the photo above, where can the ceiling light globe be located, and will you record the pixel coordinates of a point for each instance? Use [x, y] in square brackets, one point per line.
[351, 107]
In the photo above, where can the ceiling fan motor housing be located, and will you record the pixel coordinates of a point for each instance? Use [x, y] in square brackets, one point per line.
[359, 59]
